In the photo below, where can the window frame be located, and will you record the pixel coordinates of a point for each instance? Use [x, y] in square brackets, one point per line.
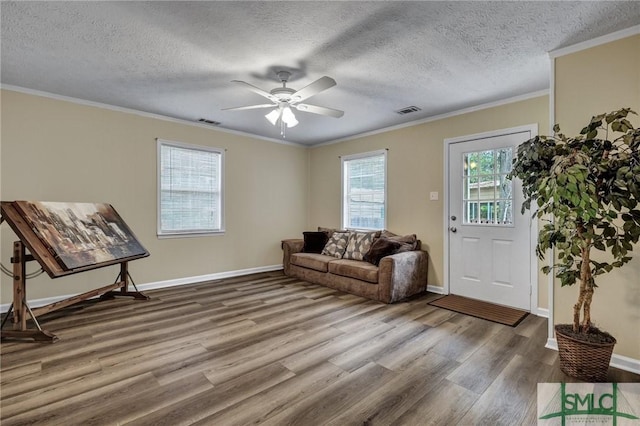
[196, 232]
[344, 160]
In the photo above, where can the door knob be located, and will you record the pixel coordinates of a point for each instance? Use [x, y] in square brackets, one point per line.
[453, 229]
[453, 218]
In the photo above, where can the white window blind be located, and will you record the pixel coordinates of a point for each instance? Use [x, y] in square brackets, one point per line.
[190, 189]
[364, 190]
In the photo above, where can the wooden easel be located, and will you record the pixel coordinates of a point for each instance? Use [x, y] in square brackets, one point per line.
[39, 252]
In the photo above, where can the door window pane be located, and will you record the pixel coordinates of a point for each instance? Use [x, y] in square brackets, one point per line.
[504, 212]
[487, 193]
[471, 212]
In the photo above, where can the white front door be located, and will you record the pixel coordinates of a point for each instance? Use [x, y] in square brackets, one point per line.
[489, 239]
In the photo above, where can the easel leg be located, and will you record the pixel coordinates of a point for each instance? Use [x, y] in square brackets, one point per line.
[19, 288]
[124, 276]
[20, 305]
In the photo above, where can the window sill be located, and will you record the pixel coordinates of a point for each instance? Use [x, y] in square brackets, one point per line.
[191, 234]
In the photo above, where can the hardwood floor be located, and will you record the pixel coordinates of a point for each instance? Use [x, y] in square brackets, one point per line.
[274, 350]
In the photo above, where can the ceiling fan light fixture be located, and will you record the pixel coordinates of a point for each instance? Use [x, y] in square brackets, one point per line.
[273, 116]
[288, 117]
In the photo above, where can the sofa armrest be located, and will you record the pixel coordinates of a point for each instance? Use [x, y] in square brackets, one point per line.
[402, 275]
[290, 247]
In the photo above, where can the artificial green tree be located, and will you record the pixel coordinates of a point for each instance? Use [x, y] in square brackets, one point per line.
[587, 190]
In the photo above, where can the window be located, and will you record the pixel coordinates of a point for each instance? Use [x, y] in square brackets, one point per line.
[488, 194]
[189, 189]
[364, 190]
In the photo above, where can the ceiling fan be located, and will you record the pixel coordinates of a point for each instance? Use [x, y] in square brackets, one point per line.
[284, 99]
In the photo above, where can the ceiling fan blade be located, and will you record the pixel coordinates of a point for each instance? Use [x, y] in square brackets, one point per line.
[323, 83]
[319, 110]
[250, 107]
[257, 90]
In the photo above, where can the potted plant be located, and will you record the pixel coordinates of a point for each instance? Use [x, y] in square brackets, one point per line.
[586, 189]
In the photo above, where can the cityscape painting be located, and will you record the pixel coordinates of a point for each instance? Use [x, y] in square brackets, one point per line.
[81, 234]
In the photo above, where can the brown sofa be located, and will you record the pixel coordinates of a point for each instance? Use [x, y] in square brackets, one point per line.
[397, 277]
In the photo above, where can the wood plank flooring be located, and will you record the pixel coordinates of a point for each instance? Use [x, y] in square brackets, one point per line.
[268, 349]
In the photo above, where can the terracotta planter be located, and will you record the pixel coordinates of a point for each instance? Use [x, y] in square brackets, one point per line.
[584, 360]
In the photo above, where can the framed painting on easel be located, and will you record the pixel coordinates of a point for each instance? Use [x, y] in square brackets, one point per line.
[66, 238]
[81, 234]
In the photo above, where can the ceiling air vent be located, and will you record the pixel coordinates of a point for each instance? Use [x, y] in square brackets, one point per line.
[205, 121]
[408, 110]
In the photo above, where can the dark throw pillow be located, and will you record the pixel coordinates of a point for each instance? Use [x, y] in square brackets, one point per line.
[380, 248]
[330, 231]
[314, 242]
[411, 240]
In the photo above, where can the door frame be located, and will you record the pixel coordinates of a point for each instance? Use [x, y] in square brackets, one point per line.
[533, 222]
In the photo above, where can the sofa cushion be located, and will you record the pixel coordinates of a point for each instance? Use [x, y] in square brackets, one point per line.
[359, 244]
[354, 269]
[314, 242]
[336, 245]
[317, 262]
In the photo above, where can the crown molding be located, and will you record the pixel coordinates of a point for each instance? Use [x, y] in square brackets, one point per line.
[608, 38]
[463, 111]
[78, 101]
[279, 141]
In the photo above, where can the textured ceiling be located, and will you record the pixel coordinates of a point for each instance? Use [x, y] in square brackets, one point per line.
[178, 58]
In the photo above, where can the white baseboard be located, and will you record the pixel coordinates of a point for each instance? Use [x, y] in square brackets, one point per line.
[541, 312]
[435, 289]
[35, 303]
[617, 361]
[207, 277]
[625, 363]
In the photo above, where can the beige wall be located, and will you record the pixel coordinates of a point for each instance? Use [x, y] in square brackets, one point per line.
[589, 82]
[415, 168]
[54, 150]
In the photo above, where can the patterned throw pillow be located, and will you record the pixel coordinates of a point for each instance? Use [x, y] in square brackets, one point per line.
[336, 245]
[359, 244]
